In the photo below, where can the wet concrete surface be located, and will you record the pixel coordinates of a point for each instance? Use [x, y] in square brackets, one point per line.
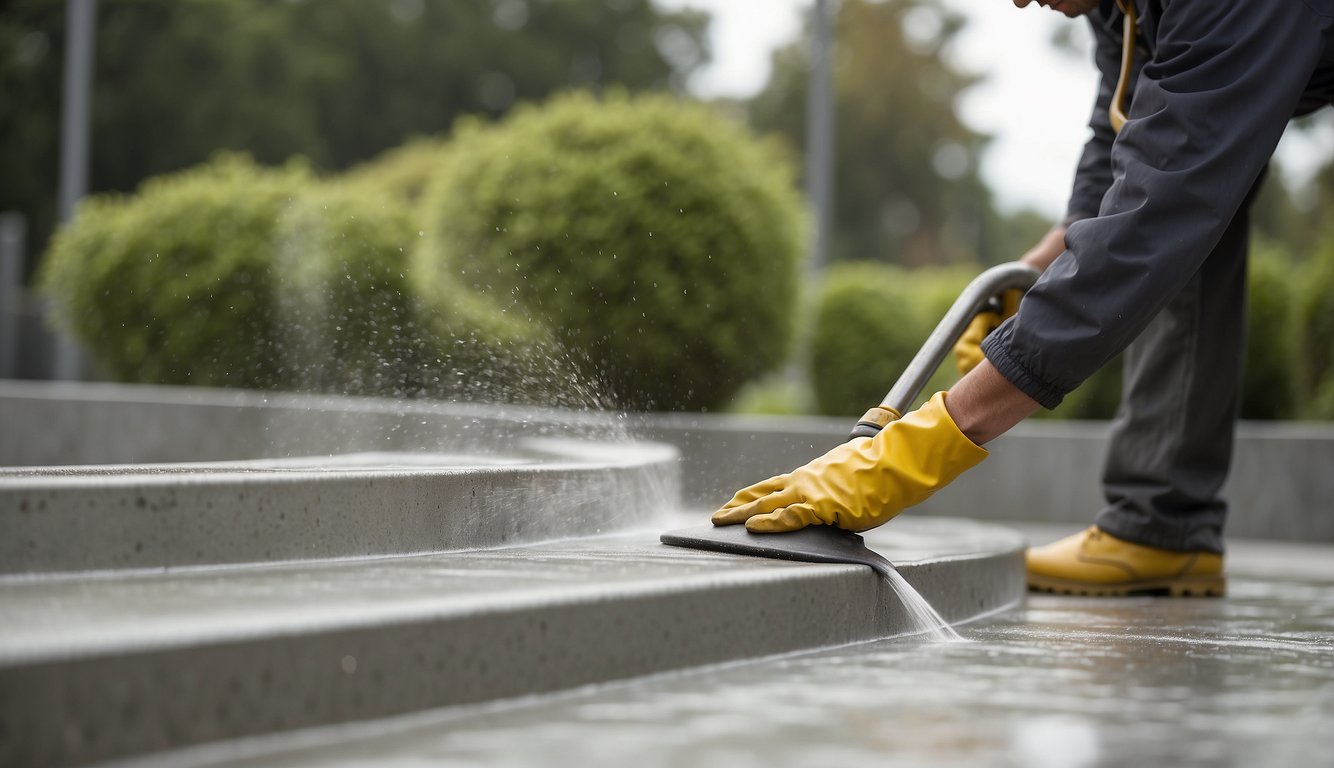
[124, 663]
[1244, 680]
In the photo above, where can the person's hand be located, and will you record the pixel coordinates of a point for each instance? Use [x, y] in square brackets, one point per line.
[862, 483]
[968, 349]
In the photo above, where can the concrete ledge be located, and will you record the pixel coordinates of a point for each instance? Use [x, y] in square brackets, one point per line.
[1281, 486]
[92, 669]
[64, 423]
[145, 516]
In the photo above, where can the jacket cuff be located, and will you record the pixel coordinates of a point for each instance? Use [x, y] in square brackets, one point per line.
[1071, 218]
[997, 349]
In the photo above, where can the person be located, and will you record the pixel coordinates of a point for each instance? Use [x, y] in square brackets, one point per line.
[1193, 99]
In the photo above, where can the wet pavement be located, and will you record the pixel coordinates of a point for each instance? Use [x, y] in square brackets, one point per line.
[1245, 680]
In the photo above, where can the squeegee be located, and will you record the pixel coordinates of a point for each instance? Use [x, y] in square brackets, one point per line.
[827, 544]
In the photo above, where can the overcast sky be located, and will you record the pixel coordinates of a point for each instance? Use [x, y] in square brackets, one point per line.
[1035, 100]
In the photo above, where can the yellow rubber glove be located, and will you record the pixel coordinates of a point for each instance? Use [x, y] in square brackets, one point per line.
[968, 349]
[862, 483]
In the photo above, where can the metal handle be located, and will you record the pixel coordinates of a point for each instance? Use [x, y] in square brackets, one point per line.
[974, 297]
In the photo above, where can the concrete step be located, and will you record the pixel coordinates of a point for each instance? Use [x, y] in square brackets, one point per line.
[123, 664]
[89, 518]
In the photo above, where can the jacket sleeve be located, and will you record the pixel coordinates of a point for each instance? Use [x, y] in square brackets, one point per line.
[1208, 111]
[1093, 175]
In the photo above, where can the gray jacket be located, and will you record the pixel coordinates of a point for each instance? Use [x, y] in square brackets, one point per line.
[1216, 83]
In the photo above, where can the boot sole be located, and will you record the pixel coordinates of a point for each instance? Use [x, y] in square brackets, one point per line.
[1189, 586]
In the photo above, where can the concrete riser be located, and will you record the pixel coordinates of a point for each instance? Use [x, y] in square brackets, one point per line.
[1280, 487]
[153, 521]
[78, 711]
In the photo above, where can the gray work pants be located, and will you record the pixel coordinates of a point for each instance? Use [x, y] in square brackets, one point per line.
[1171, 442]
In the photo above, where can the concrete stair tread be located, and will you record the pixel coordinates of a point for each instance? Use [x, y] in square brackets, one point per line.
[113, 613]
[140, 661]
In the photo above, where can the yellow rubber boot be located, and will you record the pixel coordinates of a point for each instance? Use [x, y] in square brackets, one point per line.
[1093, 562]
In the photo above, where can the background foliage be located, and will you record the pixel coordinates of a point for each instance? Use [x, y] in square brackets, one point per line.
[230, 274]
[177, 285]
[872, 318]
[906, 183]
[659, 241]
[345, 84]
[336, 81]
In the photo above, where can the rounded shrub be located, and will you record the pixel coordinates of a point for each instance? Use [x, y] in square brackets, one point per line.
[345, 311]
[401, 173]
[1315, 331]
[1269, 384]
[869, 322]
[658, 241]
[873, 318]
[176, 284]
[229, 274]
[934, 290]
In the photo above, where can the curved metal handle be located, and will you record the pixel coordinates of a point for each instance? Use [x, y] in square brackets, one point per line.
[974, 297]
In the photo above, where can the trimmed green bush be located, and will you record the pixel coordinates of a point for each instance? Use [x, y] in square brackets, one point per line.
[869, 322]
[1315, 331]
[934, 290]
[1269, 384]
[347, 321]
[234, 275]
[658, 241]
[401, 173]
[872, 319]
[176, 284]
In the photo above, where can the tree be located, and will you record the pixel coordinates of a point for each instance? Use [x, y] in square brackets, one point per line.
[334, 80]
[907, 188]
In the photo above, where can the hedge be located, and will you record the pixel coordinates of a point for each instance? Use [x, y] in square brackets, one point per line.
[658, 240]
[869, 322]
[1270, 378]
[400, 174]
[1314, 294]
[229, 274]
[872, 318]
[176, 285]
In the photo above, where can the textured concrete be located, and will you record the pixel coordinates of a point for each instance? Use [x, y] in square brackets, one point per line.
[94, 668]
[1280, 488]
[135, 658]
[55, 423]
[1069, 682]
[145, 516]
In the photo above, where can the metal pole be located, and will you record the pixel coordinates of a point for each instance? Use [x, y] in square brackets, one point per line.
[79, 40]
[12, 226]
[820, 132]
[80, 37]
[819, 181]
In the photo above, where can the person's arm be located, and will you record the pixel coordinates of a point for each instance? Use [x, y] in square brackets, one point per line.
[985, 405]
[1092, 177]
[1207, 112]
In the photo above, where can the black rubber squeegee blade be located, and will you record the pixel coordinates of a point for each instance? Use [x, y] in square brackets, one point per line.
[812, 544]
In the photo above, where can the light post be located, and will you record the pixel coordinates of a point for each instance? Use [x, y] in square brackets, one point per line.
[820, 132]
[76, 113]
